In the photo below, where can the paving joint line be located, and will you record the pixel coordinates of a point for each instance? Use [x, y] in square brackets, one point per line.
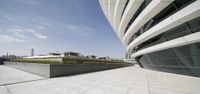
[148, 81]
[133, 82]
[8, 90]
[23, 82]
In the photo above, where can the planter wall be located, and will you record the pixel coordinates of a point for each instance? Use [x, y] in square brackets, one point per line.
[2, 61]
[40, 69]
[56, 70]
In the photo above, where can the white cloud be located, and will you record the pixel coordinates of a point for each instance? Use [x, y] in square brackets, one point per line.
[24, 33]
[39, 27]
[10, 39]
[79, 29]
[17, 32]
[8, 16]
[71, 27]
[30, 30]
[13, 30]
[87, 28]
[40, 36]
[31, 2]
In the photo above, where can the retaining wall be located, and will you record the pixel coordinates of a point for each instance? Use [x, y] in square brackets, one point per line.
[56, 70]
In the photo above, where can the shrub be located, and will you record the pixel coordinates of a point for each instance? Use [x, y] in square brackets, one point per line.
[71, 60]
[83, 60]
[37, 61]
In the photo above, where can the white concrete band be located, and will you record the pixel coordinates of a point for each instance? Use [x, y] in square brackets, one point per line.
[188, 39]
[119, 6]
[186, 14]
[149, 12]
[111, 10]
[130, 10]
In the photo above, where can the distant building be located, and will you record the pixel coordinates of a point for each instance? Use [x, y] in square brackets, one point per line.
[102, 58]
[2, 60]
[7, 55]
[72, 54]
[32, 52]
[10, 57]
[55, 54]
[105, 58]
[41, 55]
[49, 55]
[91, 56]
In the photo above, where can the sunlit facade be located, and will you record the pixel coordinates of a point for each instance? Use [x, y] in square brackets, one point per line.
[160, 35]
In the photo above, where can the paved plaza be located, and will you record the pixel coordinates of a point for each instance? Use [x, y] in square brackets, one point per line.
[128, 80]
[10, 75]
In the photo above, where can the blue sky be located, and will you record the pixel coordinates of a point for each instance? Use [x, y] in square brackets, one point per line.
[56, 25]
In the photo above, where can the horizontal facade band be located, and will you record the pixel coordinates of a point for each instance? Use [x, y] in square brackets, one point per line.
[149, 12]
[186, 14]
[111, 11]
[119, 6]
[188, 39]
[102, 3]
[106, 8]
[105, 4]
[130, 10]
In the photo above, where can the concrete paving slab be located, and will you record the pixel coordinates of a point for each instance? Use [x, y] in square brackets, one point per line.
[129, 80]
[4, 90]
[10, 75]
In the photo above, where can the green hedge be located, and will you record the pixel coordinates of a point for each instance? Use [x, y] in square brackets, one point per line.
[83, 60]
[37, 61]
[72, 60]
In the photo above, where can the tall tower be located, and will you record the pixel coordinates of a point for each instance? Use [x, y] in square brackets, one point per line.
[32, 52]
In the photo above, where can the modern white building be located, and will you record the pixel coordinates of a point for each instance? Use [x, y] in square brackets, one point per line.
[161, 35]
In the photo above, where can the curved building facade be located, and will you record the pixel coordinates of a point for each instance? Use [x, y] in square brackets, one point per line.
[161, 35]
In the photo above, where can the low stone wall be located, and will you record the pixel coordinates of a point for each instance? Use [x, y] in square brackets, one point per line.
[40, 69]
[57, 70]
[70, 69]
[2, 61]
